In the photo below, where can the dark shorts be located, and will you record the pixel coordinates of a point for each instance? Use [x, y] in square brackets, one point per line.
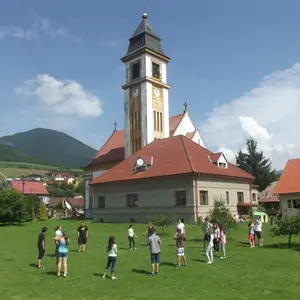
[259, 234]
[206, 237]
[41, 253]
[61, 255]
[155, 258]
[82, 241]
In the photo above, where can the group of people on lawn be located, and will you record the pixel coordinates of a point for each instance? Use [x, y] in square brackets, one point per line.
[214, 238]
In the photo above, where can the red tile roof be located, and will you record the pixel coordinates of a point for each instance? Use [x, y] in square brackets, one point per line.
[176, 155]
[215, 156]
[174, 122]
[190, 135]
[76, 202]
[289, 181]
[113, 150]
[269, 199]
[30, 187]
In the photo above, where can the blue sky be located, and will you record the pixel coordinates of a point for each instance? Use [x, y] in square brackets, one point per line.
[234, 62]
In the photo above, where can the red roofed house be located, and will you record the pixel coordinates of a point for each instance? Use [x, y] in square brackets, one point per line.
[269, 200]
[178, 173]
[288, 188]
[32, 188]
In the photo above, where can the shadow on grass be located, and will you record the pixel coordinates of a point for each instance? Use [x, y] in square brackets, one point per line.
[73, 250]
[243, 244]
[198, 260]
[51, 273]
[293, 247]
[196, 240]
[123, 248]
[169, 264]
[143, 272]
[51, 255]
[33, 265]
[100, 275]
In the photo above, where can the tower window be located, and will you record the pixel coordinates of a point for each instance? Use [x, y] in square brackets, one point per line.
[139, 120]
[155, 70]
[161, 122]
[135, 70]
[154, 113]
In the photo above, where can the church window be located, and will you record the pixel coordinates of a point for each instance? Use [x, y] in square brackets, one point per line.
[240, 197]
[135, 70]
[132, 200]
[135, 121]
[100, 202]
[138, 120]
[131, 123]
[155, 70]
[161, 122]
[253, 197]
[227, 198]
[154, 113]
[180, 197]
[203, 197]
[132, 146]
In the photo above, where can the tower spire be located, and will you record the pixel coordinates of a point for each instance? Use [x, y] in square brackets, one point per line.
[115, 126]
[185, 107]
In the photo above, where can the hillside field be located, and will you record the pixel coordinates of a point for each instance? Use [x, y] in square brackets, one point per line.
[270, 272]
[19, 169]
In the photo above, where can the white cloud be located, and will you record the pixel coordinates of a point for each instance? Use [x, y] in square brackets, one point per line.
[40, 27]
[269, 113]
[63, 97]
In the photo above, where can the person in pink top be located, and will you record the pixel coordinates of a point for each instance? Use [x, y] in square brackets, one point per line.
[223, 241]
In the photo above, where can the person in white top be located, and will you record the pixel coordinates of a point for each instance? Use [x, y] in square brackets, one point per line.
[131, 237]
[112, 251]
[259, 232]
[181, 226]
[207, 226]
[210, 246]
[216, 237]
[58, 234]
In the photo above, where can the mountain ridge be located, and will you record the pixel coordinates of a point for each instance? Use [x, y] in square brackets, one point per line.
[47, 146]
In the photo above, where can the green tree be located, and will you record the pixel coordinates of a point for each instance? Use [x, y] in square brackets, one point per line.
[287, 226]
[163, 220]
[221, 214]
[29, 208]
[42, 212]
[254, 162]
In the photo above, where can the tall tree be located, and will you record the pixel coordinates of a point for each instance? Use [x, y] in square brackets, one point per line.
[254, 162]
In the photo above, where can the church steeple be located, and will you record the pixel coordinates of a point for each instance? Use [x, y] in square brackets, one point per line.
[145, 37]
[146, 90]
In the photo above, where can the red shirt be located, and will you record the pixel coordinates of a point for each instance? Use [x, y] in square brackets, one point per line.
[180, 240]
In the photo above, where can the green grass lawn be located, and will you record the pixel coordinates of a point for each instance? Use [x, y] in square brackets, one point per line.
[271, 272]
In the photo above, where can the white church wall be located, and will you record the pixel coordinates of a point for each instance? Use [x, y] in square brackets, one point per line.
[198, 139]
[166, 113]
[149, 126]
[185, 126]
[126, 123]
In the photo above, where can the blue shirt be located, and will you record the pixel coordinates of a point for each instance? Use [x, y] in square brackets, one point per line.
[63, 247]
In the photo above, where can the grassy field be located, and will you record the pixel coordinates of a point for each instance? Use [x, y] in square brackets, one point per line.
[19, 169]
[271, 272]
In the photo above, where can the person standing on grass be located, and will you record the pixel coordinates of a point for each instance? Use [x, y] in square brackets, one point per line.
[223, 242]
[82, 235]
[131, 237]
[251, 235]
[181, 226]
[41, 244]
[58, 234]
[112, 257]
[259, 232]
[180, 237]
[207, 226]
[210, 246]
[62, 253]
[154, 243]
[216, 237]
[149, 230]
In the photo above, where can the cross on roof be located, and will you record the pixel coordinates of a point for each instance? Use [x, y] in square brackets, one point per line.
[115, 126]
[185, 106]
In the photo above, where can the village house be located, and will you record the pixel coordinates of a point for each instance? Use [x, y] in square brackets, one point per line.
[269, 200]
[288, 188]
[158, 163]
[31, 188]
[64, 177]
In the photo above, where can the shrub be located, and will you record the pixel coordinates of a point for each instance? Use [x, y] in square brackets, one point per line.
[163, 220]
[42, 212]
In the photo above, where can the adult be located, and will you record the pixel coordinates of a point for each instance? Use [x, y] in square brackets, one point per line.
[131, 237]
[62, 253]
[41, 244]
[58, 233]
[216, 237]
[154, 243]
[207, 226]
[82, 237]
[259, 232]
[181, 226]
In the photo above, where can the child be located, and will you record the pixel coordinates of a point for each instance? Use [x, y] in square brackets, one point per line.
[223, 241]
[58, 234]
[112, 257]
[216, 237]
[41, 247]
[62, 252]
[207, 226]
[210, 246]
[154, 243]
[131, 237]
[180, 237]
[251, 234]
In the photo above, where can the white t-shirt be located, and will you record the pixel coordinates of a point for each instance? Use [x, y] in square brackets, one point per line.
[58, 233]
[130, 232]
[112, 252]
[181, 226]
[259, 226]
[217, 233]
[207, 226]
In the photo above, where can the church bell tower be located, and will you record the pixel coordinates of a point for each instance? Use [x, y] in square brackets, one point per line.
[146, 91]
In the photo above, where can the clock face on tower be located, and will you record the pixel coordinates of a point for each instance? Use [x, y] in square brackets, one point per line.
[136, 92]
[156, 92]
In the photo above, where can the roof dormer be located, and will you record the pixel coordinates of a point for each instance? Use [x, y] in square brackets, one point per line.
[219, 160]
[142, 164]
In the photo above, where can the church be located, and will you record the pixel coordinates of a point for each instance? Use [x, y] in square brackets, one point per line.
[158, 163]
